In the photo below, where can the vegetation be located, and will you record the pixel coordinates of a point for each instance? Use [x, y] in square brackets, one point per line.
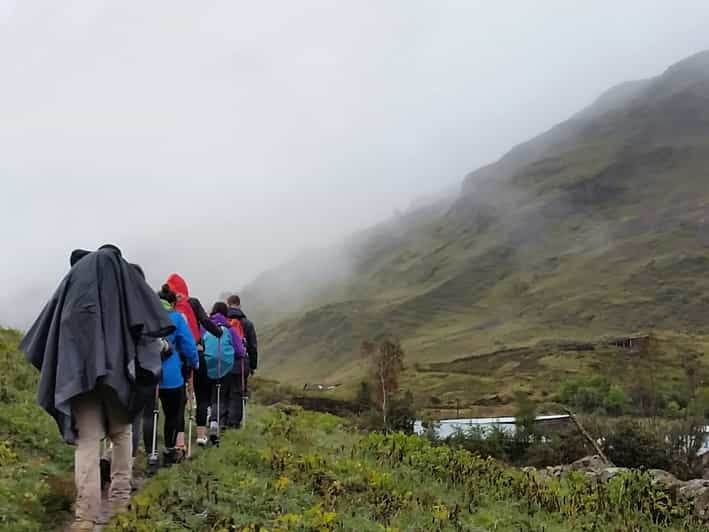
[296, 470]
[36, 482]
[594, 394]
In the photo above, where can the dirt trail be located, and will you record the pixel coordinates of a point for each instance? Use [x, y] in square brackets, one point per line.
[138, 483]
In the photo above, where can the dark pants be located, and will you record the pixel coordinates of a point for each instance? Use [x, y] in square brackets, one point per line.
[202, 392]
[147, 399]
[224, 391]
[173, 406]
[237, 392]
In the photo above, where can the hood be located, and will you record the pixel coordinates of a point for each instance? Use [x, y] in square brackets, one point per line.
[219, 319]
[178, 285]
[236, 313]
[79, 254]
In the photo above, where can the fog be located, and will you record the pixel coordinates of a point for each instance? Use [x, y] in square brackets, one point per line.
[218, 139]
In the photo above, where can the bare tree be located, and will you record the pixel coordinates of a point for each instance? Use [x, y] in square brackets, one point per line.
[386, 361]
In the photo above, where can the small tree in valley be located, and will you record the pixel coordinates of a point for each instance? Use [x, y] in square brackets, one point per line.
[386, 361]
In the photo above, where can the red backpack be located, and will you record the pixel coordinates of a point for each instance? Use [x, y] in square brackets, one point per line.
[239, 328]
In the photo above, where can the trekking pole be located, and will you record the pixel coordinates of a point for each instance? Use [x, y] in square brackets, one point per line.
[243, 394]
[153, 458]
[190, 391]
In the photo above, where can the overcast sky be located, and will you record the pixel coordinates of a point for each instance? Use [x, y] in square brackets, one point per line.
[219, 138]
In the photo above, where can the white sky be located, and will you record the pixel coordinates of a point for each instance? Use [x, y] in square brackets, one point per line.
[219, 138]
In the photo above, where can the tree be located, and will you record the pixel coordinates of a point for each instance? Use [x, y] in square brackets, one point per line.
[386, 361]
[525, 417]
[614, 402]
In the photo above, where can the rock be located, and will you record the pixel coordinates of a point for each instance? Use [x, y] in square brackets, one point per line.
[556, 471]
[701, 505]
[590, 464]
[610, 472]
[664, 479]
[696, 492]
[693, 489]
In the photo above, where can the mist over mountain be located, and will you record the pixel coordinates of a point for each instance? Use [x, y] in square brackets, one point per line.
[598, 226]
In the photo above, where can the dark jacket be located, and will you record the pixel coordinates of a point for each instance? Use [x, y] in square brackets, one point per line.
[203, 319]
[249, 333]
[97, 329]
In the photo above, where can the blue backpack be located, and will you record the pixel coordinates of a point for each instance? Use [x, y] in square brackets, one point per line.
[218, 354]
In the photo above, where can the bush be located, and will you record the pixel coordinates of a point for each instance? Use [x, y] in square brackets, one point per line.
[633, 444]
[563, 447]
[595, 394]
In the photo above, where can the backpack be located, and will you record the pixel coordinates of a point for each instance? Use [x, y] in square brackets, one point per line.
[218, 354]
[239, 328]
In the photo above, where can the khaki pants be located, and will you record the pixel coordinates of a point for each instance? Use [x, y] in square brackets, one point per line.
[99, 413]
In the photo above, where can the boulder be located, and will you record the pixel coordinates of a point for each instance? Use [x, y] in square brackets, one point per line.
[664, 480]
[693, 489]
[610, 472]
[554, 471]
[701, 505]
[589, 464]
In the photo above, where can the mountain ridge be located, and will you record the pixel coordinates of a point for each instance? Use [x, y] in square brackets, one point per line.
[597, 226]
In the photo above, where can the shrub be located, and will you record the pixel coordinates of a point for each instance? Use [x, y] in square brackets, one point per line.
[594, 394]
[563, 447]
[633, 444]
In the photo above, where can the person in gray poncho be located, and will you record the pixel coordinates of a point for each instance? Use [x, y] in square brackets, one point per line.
[96, 344]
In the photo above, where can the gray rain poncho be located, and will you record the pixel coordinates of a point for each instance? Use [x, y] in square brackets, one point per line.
[99, 328]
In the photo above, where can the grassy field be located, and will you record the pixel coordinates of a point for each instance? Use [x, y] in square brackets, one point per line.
[296, 470]
[36, 466]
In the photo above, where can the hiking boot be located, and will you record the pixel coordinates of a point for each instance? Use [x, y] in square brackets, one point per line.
[202, 439]
[214, 433]
[169, 456]
[153, 460]
[82, 525]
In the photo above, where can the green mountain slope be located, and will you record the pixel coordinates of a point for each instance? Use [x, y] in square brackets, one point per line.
[36, 472]
[597, 227]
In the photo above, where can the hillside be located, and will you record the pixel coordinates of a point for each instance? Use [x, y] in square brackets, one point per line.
[595, 228]
[36, 467]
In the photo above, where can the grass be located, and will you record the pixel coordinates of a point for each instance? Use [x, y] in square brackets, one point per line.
[297, 470]
[36, 482]
[291, 469]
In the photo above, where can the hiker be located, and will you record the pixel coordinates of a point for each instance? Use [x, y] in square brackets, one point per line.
[197, 319]
[145, 392]
[183, 354]
[94, 344]
[220, 356]
[247, 366]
